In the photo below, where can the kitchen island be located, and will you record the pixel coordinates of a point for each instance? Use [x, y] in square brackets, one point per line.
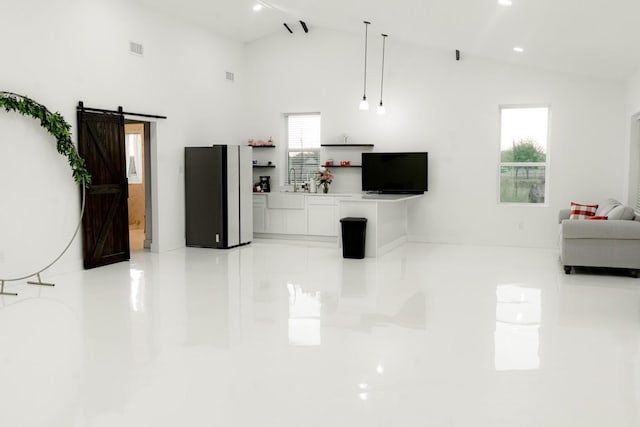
[316, 216]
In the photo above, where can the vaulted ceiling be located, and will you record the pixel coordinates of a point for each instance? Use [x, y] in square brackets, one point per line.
[594, 37]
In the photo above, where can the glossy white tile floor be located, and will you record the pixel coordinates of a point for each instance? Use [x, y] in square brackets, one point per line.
[290, 334]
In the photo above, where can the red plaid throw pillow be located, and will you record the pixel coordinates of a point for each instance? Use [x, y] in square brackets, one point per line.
[579, 211]
[598, 217]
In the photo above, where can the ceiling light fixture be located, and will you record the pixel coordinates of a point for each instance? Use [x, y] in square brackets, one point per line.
[381, 109]
[518, 49]
[257, 7]
[364, 104]
[505, 2]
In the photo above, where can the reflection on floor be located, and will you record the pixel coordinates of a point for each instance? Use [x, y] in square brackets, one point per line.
[290, 334]
[136, 239]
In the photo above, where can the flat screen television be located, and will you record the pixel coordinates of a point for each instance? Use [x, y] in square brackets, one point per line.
[395, 173]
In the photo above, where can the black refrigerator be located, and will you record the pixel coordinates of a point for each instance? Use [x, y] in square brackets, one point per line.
[218, 196]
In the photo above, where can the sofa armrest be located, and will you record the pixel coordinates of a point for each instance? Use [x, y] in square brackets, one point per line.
[608, 229]
[563, 214]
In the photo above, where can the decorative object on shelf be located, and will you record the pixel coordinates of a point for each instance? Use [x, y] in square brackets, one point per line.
[381, 110]
[261, 143]
[324, 177]
[329, 162]
[56, 125]
[364, 104]
[345, 163]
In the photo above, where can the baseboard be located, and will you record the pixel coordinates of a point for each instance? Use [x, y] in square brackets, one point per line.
[305, 237]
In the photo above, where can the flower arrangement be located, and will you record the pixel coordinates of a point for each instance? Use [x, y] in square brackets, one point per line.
[324, 176]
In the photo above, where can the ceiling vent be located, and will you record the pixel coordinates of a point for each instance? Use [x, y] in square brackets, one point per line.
[136, 49]
[230, 76]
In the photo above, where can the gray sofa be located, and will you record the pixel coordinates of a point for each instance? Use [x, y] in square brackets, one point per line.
[614, 242]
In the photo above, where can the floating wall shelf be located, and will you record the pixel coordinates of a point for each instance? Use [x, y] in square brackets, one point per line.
[346, 145]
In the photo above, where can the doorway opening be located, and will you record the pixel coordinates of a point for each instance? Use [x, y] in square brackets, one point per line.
[138, 169]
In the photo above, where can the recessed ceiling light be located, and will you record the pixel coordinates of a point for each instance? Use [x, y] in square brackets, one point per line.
[518, 49]
[257, 7]
[505, 2]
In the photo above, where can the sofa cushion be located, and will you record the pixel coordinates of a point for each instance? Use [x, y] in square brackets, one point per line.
[605, 207]
[610, 230]
[621, 212]
[580, 211]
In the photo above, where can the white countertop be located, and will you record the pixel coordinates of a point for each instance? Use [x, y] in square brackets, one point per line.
[388, 198]
[354, 197]
[304, 193]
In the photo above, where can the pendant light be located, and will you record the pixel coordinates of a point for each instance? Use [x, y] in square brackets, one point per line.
[364, 104]
[381, 109]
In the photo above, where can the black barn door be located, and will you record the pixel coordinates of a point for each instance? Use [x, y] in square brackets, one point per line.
[105, 225]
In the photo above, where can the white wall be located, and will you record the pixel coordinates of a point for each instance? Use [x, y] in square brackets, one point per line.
[632, 166]
[65, 51]
[449, 109]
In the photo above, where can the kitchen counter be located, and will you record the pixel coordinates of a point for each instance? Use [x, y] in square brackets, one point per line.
[304, 193]
[352, 196]
[317, 215]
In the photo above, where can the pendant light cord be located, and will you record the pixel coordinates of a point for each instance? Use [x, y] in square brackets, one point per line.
[366, 35]
[384, 39]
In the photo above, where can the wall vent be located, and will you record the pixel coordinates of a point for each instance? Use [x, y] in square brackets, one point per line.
[230, 76]
[136, 49]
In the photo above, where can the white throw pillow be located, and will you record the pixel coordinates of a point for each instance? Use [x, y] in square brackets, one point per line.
[607, 206]
[621, 212]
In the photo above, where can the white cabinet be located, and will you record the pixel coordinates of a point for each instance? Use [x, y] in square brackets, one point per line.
[286, 214]
[259, 212]
[286, 221]
[296, 214]
[322, 216]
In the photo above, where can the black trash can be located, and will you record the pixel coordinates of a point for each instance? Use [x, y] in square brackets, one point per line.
[353, 237]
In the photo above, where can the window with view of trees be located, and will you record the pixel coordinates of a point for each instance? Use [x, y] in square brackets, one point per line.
[523, 154]
[303, 146]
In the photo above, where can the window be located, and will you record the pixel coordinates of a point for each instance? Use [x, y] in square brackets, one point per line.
[523, 154]
[303, 146]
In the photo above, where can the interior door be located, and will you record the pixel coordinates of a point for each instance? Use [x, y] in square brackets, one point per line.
[105, 225]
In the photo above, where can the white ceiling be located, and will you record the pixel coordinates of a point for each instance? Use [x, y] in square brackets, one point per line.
[593, 37]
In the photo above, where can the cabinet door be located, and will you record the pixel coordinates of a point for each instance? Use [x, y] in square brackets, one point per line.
[275, 221]
[322, 220]
[258, 219]
[296, 221]
[286, 221]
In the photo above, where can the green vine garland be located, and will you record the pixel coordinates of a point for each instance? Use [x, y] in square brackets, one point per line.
[55, 124]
